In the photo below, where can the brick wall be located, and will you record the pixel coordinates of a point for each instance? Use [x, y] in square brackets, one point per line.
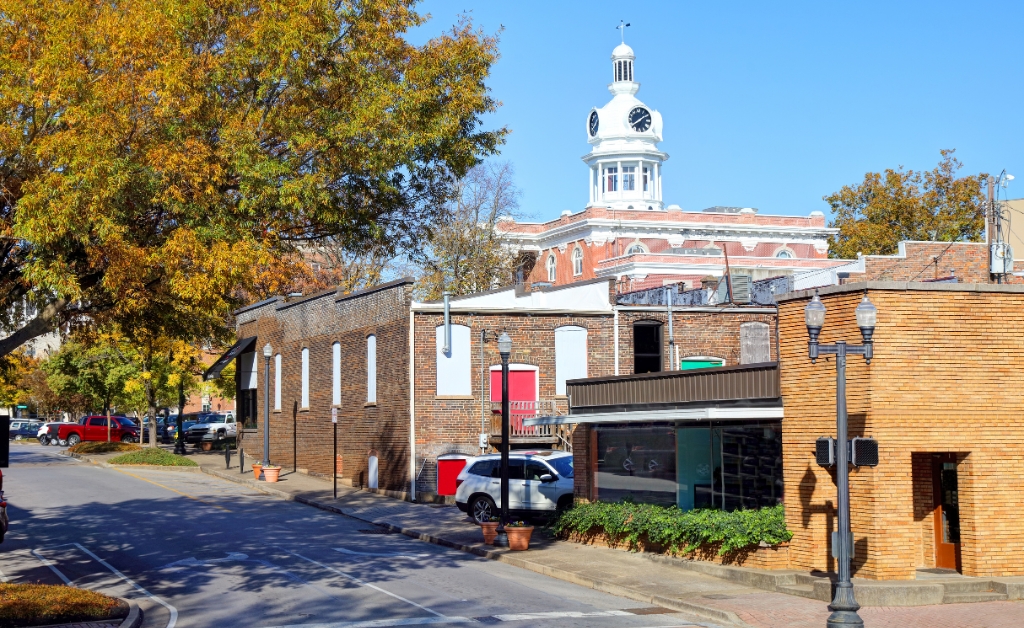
[924, 261]
[945, 379]
[303, 437]
[697, 333]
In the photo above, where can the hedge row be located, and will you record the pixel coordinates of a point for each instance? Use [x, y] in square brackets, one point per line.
[675, 529]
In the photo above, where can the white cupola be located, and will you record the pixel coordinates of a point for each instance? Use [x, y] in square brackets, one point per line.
[625, 163]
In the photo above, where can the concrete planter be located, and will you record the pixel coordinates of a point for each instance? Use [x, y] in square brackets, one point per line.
[490, 530]
[758, 557]
[519, 537]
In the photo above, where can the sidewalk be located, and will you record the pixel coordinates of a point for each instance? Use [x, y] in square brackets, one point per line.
[671, 583]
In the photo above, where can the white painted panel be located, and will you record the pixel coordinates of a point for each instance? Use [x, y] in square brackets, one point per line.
[277, 381]
[453, 368]
[371, 480]
[371, 369]
[305, 377]
[247, 362]
[570, 355]
[336, 366]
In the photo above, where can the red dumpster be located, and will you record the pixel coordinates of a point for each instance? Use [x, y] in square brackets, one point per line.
[449, 466]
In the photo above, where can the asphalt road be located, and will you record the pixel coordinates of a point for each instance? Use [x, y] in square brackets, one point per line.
[194, 550]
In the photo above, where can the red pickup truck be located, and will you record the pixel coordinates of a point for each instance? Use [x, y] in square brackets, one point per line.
[95, 428]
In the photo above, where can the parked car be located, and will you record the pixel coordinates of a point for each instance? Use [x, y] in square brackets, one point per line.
[187, 421]
[22, 429]
[47, 434]
[540, 484]
[94, 428]
[212, 427]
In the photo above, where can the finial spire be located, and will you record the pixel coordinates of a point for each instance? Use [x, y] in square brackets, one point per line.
[622, 27]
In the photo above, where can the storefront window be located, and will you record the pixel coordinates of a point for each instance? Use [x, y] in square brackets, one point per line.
[636, 463]
[727, 466]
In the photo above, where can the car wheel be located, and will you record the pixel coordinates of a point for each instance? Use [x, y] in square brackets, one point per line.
[62, 443]
[43, 440]
[127, 439]
[482, 508]
[73, 440]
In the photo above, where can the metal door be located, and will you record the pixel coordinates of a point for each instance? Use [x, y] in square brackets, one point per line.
[947, 511]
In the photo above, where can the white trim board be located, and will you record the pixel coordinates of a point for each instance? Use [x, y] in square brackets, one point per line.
[649, 416]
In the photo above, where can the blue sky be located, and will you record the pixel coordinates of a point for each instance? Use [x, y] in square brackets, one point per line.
[769, 105]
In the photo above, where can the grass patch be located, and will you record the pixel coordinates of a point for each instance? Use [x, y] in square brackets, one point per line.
[42, 604]
[102, 447]
[151, 456]
[675, 529]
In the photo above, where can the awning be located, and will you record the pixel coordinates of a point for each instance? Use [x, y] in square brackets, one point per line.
[237, 349]
[705, 413]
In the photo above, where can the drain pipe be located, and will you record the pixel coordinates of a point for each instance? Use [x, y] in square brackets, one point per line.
[671, 336]
[412, 406]
[447, 325]
[615, 334]
[483, 394]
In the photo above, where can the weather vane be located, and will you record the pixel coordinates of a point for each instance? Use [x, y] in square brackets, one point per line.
[622, 27]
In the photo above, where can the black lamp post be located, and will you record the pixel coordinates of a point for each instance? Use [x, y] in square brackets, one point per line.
[504, 349]
[844, 606]
[267, 352]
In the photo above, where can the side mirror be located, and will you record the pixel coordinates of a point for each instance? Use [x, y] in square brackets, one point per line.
[547, 477]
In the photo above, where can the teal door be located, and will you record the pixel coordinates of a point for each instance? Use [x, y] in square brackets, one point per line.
[693, 468]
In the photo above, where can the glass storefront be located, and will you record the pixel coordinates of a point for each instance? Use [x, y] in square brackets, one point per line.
[709, 465]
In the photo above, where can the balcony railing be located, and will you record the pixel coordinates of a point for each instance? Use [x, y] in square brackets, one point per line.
[557, 435]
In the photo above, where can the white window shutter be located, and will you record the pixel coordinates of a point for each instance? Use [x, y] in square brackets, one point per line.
[371, 369]
[570, 355]
[453, 368]
[277, 381]
[305, 377]
[336, 373]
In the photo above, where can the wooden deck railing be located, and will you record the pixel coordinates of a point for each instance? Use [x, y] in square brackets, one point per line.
[519, 411]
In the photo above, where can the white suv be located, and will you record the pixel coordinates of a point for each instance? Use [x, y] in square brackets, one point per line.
[539, 483]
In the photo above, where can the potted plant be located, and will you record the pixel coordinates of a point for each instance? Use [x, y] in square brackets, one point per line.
[271, 472]
[519, 533]
[257, 467]
[490, 530]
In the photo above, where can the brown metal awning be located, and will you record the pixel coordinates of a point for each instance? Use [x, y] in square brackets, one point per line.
[242, 346]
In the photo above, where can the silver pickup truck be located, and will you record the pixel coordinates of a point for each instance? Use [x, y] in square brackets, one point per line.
[214, 427]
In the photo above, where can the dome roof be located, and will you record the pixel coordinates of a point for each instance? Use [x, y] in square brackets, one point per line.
[622, 51]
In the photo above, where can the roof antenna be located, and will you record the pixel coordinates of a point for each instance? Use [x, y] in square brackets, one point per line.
[622, 27]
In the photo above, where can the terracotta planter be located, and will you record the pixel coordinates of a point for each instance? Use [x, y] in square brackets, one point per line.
[490, 531]
[207, 447]
[256, 469]
[519, 538]
[271, 474]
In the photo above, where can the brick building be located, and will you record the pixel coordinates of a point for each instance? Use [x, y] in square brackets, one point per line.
[353, 354]
[940, 396]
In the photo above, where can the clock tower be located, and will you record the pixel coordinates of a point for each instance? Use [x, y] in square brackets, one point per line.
[624, 161]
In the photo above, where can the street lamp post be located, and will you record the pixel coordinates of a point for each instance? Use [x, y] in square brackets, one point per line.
[504, 349]
[844, 606]
[267, 351]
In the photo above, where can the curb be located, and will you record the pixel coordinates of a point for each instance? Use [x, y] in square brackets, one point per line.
[134, 618]
[693, 608]
[89, 459]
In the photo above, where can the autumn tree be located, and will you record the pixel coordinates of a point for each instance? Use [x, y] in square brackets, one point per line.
[467, 252]
[168, 157]
[886, 208]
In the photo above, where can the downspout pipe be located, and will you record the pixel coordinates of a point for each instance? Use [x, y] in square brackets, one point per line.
[447, 324]
[671, 336]
[412, 405]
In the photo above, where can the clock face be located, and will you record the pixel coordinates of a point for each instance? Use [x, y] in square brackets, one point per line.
[640, 119]
[593, 123]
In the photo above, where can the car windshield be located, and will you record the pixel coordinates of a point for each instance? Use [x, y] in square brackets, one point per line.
[563, 465]
[125, 422]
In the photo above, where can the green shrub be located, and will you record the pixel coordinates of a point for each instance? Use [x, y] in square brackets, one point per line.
[675, 529]
[102, 447]
[152, 456]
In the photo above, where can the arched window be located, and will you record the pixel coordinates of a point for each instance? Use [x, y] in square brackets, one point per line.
[570, 355]
[552, 267]
[454, 375]
[371, 369]
[784, 254]
[635, 249]
[577, 261]
[277, 381]
[305, 377]
[336, 373]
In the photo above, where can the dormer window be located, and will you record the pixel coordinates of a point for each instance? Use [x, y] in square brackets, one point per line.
[784, 254]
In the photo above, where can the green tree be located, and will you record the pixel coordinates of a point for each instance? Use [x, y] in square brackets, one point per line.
[165, 156]
[874, 216]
